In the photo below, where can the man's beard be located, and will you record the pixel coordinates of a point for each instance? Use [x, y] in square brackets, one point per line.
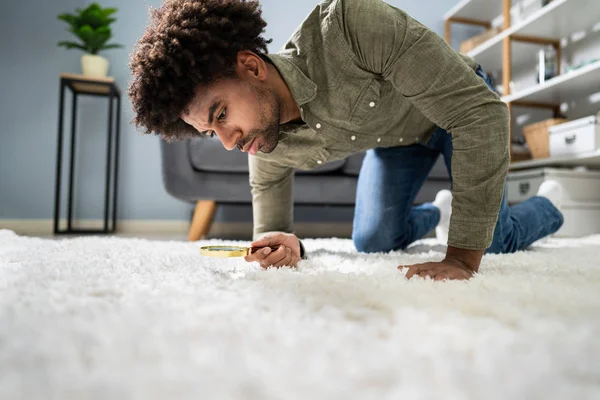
[268, 132]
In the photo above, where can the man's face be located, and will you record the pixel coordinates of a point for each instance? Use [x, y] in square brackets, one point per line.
[240, 113]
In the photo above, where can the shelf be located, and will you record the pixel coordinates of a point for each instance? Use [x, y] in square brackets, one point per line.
[571, 85]
[483, 10]
[557, 20]
[590, 160]
[90, 85]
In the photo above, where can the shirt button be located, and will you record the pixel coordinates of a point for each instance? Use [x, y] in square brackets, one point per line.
[417, 140]
[353, 138]
[378, 140]
[401, 140]
[318, 126]
[372, 104]
[319, 162]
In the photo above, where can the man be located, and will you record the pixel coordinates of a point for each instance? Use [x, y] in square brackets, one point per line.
[356, 75]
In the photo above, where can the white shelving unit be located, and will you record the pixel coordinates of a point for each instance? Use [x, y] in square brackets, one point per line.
[515, 46]
[557, 20]
[571, 85]
[480, 10]
[589, 160]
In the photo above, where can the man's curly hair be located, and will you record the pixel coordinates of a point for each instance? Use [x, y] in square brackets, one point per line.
[188, 43]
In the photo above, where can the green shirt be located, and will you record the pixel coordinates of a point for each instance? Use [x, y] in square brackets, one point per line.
[366, 75]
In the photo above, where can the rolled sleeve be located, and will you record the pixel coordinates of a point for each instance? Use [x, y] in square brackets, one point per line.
[272, 196]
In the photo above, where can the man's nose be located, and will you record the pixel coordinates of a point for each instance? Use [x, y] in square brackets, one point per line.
[229, 138]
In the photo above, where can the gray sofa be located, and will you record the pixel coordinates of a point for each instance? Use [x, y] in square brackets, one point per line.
[202, 170]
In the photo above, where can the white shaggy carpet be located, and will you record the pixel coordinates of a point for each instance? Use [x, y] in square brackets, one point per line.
[110, 318]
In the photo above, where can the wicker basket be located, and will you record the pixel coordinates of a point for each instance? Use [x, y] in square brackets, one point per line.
[538, 138]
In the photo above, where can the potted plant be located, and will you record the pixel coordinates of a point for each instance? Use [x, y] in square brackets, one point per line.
[92, 27]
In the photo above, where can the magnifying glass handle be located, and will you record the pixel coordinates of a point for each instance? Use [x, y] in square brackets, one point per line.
[255, 249]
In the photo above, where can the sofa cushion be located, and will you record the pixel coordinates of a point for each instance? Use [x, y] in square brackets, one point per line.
[354, 162]
[439, 170]
[209, 155]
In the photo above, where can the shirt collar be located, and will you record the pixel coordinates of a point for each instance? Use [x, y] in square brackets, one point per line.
[303, 89]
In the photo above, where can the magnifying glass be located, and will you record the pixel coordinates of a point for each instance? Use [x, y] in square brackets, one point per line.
[229, 251]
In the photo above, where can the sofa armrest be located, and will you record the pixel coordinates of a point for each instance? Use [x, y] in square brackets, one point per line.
[177, 171]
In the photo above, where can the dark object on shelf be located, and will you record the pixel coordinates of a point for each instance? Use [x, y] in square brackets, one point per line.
[547, 67]
[102, 87]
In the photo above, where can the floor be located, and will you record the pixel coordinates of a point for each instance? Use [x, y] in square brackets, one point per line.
[146, 236]
[128, 318]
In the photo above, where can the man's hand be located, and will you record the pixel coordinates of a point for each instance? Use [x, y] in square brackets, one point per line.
[458, 264]
[288, 253]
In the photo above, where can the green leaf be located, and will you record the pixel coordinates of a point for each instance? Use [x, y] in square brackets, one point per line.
[68, 18]
[72, 45]
[92, 18]
[85, 33]
[95, 16]
[94, 7]
[102, 35]
[112, 46]
[94, 39]
[109, 11]
[104, 30]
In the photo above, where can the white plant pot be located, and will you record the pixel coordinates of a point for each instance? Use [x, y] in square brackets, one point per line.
[94, 66]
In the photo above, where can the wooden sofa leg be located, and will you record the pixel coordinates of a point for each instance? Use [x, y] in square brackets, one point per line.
[202, 220]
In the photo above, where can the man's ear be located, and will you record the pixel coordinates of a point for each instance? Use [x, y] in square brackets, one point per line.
[251, 66]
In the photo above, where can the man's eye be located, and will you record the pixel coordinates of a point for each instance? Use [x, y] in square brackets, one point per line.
[222, 115]
[210, 134]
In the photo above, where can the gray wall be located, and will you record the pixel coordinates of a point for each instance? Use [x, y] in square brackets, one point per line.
[30, 63]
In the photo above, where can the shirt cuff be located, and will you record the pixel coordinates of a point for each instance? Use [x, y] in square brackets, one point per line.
[472, 234]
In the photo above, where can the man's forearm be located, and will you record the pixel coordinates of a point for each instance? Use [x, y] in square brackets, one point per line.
[470, 258]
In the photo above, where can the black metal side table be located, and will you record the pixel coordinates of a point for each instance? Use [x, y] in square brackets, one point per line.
[102, 87]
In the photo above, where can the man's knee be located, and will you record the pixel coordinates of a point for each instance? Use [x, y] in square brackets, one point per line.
[374, 242]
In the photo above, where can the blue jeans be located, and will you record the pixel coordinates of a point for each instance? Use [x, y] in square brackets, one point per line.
[390, 178]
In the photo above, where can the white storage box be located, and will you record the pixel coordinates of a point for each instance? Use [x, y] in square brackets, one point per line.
[580, 220]
[580, 186]
[575, 137]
